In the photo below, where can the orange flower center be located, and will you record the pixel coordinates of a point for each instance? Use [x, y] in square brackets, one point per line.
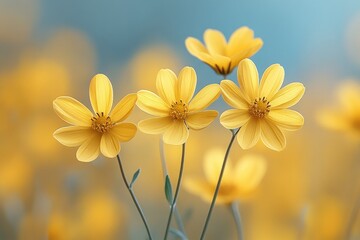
[101, 123]
[179, 110]
[260, 108]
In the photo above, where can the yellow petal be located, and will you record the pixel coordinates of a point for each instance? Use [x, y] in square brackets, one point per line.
[176, 134]
[249, 172]
[239, 40]
[213, 161]
[166, 82]
[334, 119]
[287, 119]
[109, 145]
[272, 136]
[248, 78]
[246, 52]
[215, 42]
[73, 136]
[122, 110]
[234, 118]
[233, 95]
[155, 125]
[249, 134]
[349, 96]
[90, 149]
[200, 120]
[123, 131]
[205, 97]
[101, 94]
[152, 104]
[199, 188]
[187, 84]
[255, 46]
[72, 111]
[194, 46]
[222, 64]
[271, 81]
[288, 96]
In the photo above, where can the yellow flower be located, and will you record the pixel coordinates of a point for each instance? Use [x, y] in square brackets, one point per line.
[101, 131]
[221, 56]
[261, 110]
[347, 117]
[239, 180]
[175, 108]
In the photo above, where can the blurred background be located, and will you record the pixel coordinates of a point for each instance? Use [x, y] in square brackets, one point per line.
[53, 48]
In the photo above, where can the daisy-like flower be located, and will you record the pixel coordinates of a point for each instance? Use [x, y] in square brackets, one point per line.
[261, 109]
[346, 118]
[101, 131]
[174, 107]
[239, 181]
[224, 56]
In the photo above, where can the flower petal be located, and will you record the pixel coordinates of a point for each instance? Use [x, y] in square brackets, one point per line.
[249, 134]
[248, 78]
[101, 94]
[73, 136]
[288, 96]
[155, 125]
[90, 149]
[213, 161]
[72, 111]
[152, 104]
[109, 145]
[252, 48]
[176, 134]
[239, 40]
[271, 81]
[200, 120]
[287, 119]
[194, 46]
[166, 85]
[187, 84]
[123, 131]
[205, 97]
[234, 118]
[272, 136]
[122, 110]
[215, 42]
[233, 95]
[199, 187]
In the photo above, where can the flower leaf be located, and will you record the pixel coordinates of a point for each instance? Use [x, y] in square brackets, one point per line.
[168, 190]
[135, 176]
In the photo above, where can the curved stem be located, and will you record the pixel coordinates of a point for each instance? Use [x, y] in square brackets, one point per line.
[218, 183]
[176, 191]
[352, 219]
[165, 173]
[134, 197]
[236, 214]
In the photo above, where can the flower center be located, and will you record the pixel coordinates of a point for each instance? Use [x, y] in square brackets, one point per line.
[101, 123]
[179, 110]
[260, 108]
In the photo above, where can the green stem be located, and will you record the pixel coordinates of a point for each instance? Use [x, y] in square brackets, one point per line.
[165, 173]
[352, 219]
[133, 197]
[236, 214]
[176, 191]
[218, 183]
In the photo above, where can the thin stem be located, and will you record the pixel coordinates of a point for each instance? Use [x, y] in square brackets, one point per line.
[165, 173]
[218, 183]
[176, 191]
[236, 214]
[352, 219]
[134, 197]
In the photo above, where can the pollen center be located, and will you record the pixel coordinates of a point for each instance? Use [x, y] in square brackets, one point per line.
[260, 108]
[101, 123]
[178, 110]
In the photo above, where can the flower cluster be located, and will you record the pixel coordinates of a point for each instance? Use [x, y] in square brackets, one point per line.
[259, 112]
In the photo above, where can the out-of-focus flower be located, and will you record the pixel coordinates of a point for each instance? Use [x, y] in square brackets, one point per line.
[97, 132]
[261, 110]
[220, 55]
[347, 117]
[239, 180]
[175, 108]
